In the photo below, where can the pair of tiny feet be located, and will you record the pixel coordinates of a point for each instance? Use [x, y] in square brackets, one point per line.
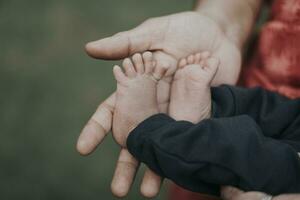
[137, 91]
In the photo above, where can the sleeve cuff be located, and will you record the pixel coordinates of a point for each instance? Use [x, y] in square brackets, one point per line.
[137, 136]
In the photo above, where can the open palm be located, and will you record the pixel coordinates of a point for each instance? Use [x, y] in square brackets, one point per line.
[170, 38]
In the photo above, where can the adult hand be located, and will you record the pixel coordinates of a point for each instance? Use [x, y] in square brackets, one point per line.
[169, 38]
[232, 193]
[92, 135]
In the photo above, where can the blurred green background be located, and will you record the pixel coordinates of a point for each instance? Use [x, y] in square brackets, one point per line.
[49, 89]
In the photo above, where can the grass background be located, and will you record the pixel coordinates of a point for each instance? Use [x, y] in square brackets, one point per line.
[50, 87]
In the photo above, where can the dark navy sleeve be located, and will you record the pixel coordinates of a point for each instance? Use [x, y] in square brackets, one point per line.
[277, 116]
[226, 151]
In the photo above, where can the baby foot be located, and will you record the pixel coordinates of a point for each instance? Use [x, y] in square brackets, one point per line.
[190, 92]
[136, 94]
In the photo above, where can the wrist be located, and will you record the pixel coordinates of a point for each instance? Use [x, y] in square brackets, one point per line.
[234, 17]
[148, 114]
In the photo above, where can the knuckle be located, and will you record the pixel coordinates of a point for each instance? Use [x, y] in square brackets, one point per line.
[164, 65]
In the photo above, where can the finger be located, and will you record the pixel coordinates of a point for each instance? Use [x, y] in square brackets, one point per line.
[124, 175]
[212, 64]
[160, 70]
[203, 57]
[123, 44]
[163, 94]
[166, 61]
[230, 193]
[97, 128]
[211, 67]
[151, 184]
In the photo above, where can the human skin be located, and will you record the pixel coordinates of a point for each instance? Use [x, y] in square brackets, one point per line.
[221, 27]
[232, 193]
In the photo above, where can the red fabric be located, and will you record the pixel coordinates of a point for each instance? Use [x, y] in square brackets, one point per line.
[274, 66]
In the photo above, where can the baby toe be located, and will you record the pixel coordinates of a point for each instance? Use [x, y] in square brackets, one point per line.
[148, 62]
[138, 63]
[197, 58]
[119, 75]
[129, 68]
[191, 59]
[205, 55]
[182, 63]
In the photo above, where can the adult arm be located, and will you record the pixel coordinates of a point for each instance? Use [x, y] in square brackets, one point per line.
[236, 18]
[225, 151]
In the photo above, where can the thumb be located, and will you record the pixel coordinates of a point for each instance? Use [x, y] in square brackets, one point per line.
[123, 44]
[230, 193]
